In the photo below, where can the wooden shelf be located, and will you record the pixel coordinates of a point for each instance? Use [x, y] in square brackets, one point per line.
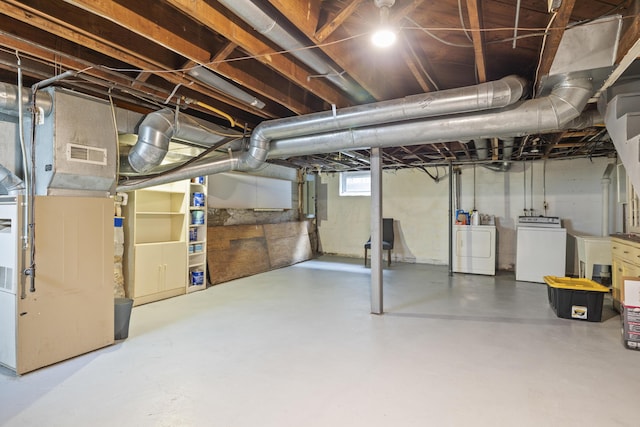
[198, 260]
[160, 213]
[156, 261]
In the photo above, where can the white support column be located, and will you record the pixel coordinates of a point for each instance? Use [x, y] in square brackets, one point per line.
[451, 219]
[376, 231]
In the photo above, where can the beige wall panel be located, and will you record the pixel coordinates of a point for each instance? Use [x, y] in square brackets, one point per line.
[71, 312]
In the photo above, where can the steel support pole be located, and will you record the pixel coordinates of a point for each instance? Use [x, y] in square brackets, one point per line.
[450, 219]
[376, 231]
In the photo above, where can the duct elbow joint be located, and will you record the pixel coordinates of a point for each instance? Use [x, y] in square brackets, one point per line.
[154, 134]
[253, 159]
[144, 157]
[517, 87]
[569, 98]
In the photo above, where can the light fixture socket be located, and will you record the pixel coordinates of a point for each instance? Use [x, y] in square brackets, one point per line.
[384, 3]
[384, 36]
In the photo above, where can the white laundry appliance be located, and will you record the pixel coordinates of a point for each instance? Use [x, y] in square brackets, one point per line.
[540, 249]
[474, 249]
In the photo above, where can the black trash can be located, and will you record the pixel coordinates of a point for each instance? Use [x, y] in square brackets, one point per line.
[121, 317]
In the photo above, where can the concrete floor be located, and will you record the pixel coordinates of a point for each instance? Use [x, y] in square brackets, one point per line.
[298, 347]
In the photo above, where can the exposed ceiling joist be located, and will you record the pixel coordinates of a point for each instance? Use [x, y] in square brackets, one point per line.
[552, 41]
[139, 53]
[328, 28]
[477, 35]
[341, 49]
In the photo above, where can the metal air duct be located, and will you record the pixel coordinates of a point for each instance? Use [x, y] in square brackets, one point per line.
[507, 150]
[315, 133]
[267, 26]
[10, 181]
[9, 100]
[552, 112]
[482, 148]
[75, 146]
[337, 130]
[606, 181]
[158, 128]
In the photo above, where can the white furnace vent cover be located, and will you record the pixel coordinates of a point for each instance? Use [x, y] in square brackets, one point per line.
[86, 154]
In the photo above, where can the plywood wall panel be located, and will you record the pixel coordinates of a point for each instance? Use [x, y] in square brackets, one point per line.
[244, 250]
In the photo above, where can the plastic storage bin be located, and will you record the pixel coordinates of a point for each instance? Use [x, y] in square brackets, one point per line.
[631, 327]
[197, 278]
[197, 217]
[197, 199]
[576, 298]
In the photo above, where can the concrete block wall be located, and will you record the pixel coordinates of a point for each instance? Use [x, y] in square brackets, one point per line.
[572, 190]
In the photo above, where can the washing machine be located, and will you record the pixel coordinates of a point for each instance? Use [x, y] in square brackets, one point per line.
[540, 248]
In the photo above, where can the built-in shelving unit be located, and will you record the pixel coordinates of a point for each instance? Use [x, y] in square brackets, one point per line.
[156, 227]
[197, 235]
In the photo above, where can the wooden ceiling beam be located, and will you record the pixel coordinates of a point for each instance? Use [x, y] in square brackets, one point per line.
[421, 59]
[465, 148]
[341, 54]
[81, 37]
[96, 84]
[50, 57]
[305, 13]
[328, 28]
[222, 54]
[413, 153]
[552, 42]
[451, 155]
[630, 30]
[202, 12]
[143, 26]
[409, 56]
[553, 142]
[399, 13]
[496, 147]
[251, 82]
[394, 160]
[475, 22]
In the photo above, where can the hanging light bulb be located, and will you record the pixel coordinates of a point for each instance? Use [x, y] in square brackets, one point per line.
[384, 36]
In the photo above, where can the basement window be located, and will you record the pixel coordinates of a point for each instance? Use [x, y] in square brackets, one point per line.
[355, 183]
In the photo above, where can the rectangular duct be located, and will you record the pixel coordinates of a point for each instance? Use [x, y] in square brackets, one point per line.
[588, 47]
[76, 147]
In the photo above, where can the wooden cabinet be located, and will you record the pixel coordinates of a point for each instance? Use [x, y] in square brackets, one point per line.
[160, 268]
[156, 221]
[625, 263]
